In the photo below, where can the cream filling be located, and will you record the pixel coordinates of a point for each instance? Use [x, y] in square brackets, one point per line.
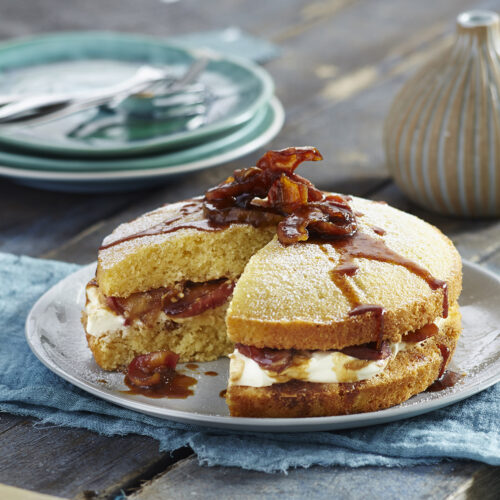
[439, 322]
[101, 320]
[322, 367]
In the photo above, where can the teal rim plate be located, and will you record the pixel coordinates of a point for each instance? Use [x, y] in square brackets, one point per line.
[255, 126]
[150, 171]
[235, 90]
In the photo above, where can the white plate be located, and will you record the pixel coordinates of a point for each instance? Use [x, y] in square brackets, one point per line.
[56, 337]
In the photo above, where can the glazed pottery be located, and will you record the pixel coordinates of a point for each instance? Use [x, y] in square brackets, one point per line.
[442, 134]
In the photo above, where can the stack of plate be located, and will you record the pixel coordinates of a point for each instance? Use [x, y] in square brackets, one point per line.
[100, 150]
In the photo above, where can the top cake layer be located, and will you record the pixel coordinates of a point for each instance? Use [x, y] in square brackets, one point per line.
[294, 297]
[131, 260]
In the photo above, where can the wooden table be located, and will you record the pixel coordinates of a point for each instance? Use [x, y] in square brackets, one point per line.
[341, 65]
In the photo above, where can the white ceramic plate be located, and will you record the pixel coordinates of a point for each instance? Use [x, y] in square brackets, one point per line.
[56, 337]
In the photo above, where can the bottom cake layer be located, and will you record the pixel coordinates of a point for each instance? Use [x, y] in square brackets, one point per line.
[200, 338]
[410, 372]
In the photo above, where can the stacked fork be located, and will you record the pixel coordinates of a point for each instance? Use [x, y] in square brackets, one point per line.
[172, 96]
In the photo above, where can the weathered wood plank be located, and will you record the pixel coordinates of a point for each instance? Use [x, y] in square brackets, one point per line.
[187, 479]
[9, 422]
[34, 221]
[358, 40]
[64, 461]
[154, 17]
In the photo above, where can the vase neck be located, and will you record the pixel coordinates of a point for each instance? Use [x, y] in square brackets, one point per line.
[483, 24]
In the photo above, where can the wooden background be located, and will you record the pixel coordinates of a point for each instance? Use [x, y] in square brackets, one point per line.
[342, 63]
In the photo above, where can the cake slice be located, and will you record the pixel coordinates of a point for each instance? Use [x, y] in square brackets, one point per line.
[164, 281]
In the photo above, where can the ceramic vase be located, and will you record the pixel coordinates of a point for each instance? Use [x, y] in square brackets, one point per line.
[442, 134]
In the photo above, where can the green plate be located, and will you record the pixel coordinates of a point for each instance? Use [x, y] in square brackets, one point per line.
[89, 60]
[53, 163]
[149, 171]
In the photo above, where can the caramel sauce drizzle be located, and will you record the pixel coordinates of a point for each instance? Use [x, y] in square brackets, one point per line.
[176, 387]
[362, 245]
[378, 230]
[174, 224]
[448, 379]
[379, 313]
[445, 353]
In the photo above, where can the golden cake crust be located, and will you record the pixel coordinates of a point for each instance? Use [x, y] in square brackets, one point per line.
[159, 260]
[286, 297]
[409, 373]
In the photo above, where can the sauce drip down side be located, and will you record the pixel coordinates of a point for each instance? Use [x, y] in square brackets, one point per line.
[449, 379]
[445, 353]
[172, 224]
[379, 313]
[362, 245]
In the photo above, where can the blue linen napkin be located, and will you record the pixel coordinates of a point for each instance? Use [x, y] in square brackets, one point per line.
[466, 430]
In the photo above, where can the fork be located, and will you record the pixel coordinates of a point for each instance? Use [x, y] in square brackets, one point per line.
[41, 108]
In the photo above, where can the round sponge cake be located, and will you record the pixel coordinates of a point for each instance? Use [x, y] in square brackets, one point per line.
[337, 304]
[286, 297]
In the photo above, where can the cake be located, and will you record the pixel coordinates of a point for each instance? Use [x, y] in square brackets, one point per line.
[326, 304]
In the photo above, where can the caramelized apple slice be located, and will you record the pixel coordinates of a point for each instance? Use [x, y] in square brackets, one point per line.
[275, 360]
[422, 333]
[151, 369]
